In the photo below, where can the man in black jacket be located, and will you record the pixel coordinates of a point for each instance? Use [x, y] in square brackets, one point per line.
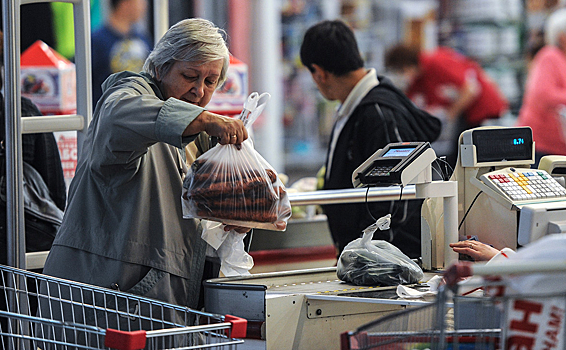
[372, 114]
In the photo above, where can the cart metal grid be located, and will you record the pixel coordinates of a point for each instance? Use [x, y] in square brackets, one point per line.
[466, 323]
[43, 312]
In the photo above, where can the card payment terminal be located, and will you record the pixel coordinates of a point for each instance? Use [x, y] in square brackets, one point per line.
[395, 164]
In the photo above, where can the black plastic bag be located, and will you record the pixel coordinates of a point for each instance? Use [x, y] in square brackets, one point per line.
[367, 262]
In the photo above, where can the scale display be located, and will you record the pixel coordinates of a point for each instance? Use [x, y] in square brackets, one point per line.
[494, 145]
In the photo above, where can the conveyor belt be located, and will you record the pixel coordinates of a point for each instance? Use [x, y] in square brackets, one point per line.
[310, 281]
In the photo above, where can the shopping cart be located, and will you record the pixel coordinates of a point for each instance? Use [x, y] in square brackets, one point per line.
[496, 319]
[42, 312]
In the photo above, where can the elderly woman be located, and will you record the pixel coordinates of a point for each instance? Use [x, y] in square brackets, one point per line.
[123, 227]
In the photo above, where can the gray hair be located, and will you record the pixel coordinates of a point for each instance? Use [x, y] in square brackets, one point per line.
[555, 25]
[193, 40]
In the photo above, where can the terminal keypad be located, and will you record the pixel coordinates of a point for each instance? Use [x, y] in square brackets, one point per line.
[526, 185]
[381, 170]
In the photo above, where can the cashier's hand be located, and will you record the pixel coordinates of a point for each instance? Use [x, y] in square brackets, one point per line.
[238, 229]
[476, 250]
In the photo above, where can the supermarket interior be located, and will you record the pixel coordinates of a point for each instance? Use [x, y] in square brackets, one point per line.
[283, 174]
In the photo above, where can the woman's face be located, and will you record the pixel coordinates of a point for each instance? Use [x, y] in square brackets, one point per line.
[190, 82]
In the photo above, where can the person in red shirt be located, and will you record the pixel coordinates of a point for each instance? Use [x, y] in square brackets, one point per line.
[544, 101]
[445, 80]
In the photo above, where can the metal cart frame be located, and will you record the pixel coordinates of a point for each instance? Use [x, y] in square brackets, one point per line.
[40, 311]
[464, 322]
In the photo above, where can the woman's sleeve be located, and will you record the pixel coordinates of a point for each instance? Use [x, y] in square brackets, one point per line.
[544, 83]
[131, 118]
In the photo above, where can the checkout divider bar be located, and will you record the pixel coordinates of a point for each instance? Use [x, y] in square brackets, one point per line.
[352, 195]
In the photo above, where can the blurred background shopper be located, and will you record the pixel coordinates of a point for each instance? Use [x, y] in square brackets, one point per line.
[544, 102]
[119, 44]
[447, 82]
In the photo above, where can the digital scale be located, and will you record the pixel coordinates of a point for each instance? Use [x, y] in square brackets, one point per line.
[499, 192]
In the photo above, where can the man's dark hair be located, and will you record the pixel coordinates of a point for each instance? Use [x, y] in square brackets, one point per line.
[332, 46]
[115, 3]
[402, 56]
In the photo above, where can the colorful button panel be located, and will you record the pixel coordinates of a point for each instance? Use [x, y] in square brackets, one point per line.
[527, 185]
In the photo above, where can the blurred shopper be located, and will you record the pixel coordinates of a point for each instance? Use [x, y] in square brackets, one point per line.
[446, 80]
[124, 226]
[119, 45]
[372, 114]
[544, 101]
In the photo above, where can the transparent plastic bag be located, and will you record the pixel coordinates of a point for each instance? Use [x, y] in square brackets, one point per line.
[367, 262]
[237, 187]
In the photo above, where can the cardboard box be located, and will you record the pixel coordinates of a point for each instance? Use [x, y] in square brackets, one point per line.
[230, 98]
[49, 80]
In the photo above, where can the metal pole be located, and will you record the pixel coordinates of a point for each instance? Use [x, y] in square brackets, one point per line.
[352, 195]
[81, 14]
[266, 76]
[15, 229]
[160, 18]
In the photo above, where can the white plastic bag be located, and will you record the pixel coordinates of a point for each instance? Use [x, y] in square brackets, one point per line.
[228, 246]
[237, 187]
[367, 262]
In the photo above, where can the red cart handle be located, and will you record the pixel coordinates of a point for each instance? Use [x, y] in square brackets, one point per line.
[239, 326]
[123, 340]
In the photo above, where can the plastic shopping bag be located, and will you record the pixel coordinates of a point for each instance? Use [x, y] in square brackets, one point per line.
[533, 311]
[228, 246]
[237, 187]
[367, 262]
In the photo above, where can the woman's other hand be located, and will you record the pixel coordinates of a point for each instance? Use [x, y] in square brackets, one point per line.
[228, 130]
[476, 250]
[238, 229]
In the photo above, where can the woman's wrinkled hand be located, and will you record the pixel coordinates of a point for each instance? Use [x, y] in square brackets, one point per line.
[227, 130]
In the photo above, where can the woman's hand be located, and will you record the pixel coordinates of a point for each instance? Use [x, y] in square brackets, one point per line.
[228, 130]
[477, 250]
[238, 229]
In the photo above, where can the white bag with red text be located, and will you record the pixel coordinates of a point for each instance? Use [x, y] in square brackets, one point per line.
[537, 320]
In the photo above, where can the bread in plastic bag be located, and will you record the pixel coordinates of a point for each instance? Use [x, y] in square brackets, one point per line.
[236, 187]
[367, 262]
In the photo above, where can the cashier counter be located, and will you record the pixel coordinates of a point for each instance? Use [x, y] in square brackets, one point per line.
[310, 308]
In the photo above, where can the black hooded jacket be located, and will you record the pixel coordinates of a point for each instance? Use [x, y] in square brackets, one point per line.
[385, 115]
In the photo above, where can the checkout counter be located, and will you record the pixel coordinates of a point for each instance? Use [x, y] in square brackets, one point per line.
[310, 308]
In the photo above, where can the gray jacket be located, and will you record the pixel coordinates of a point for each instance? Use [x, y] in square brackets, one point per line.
[125, 199]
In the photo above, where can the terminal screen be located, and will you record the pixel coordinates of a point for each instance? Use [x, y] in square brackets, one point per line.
[399, 152]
